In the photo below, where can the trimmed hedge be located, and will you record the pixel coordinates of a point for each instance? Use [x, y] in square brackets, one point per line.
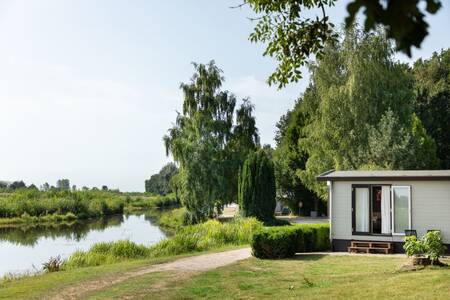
[282, 242]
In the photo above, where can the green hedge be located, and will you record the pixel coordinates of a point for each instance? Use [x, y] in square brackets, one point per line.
[282, 242]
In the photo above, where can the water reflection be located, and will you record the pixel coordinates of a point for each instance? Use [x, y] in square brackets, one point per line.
[25, 246]
[28, 235]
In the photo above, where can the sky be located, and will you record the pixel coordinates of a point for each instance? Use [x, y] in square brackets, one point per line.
[88, 88]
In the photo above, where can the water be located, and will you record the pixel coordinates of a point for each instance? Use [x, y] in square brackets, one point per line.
[24, 249]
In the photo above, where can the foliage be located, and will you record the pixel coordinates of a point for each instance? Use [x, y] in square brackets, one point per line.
[54, 264]
[358, 112]
[207, 144]
[288, 158]
[107, 252]
[160, 183]
[282, 242]
[291, 37]
[82, 204]
[156, 201]
[63, 184]
[257, 187]
[413, 246]
[431, 244]
[432, 100]
[169, 219]
[208, 235]
[275, 242]
[434, 246]
[205, 236]
[17, 185]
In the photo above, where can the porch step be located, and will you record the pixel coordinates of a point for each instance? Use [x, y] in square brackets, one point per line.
[370, 247]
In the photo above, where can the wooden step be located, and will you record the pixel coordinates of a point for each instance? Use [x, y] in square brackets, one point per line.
[368, 247]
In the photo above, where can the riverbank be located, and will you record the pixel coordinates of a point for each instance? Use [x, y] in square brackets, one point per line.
[229, 274]
[49, 284]
[31, 206]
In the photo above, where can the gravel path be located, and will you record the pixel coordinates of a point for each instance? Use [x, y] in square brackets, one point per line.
[199, 263]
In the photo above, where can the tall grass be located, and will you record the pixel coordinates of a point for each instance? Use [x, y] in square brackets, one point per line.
[82, 204]
[32, 205]
[209, 235]
[153, 201]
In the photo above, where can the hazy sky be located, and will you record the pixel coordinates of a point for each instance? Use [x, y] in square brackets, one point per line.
[88, 88]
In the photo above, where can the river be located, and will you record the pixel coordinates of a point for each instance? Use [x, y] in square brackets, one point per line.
[23, 249]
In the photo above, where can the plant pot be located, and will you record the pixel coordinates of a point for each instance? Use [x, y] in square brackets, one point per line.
[420, 261]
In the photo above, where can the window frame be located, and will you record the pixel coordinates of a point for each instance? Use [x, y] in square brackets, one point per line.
[393, 209]
[354, 232]
[369, 186]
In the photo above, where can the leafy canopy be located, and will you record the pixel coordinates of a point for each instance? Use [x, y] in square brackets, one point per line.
[160, 183]
[357, 112]
[257, 187]
[209, 141]
[291, 36]
[432, 100]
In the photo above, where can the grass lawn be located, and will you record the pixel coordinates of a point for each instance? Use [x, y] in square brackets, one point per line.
[311, 277]
[41, 286]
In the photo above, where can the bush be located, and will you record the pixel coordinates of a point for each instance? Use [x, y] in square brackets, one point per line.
[283, 242]
[276, 222]
[256, 187]
[434, 246]
[431, 244]
[413, 246]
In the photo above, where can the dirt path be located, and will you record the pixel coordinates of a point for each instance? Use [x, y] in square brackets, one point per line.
[199, 263]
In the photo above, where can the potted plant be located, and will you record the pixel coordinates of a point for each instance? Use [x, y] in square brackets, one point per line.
[434, 246]
[416, 249]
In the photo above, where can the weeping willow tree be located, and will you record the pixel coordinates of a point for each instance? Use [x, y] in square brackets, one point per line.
[209, 143]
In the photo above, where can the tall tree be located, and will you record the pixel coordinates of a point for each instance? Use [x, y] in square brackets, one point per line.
[204, 141]
[292, 36]
[63, 184]
[160, 183]
[288, 159]
[358, 112]
[432, 100]
[257, 187]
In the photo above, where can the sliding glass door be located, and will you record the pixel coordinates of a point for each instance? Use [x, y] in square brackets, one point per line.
[371, 210]
[401, 196]
[361, 209]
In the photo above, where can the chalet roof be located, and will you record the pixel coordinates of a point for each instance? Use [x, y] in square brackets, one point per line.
[333, 175]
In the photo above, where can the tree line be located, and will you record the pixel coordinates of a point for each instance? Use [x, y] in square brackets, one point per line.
[362, 109]
[61, 185]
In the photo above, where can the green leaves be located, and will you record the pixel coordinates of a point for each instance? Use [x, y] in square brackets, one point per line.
[357, 113]
[403, 20]
[292, 38]
[208, 145]
[257, 187]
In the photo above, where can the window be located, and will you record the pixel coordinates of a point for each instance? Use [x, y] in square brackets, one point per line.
[361, 208]
[401, 214]
[380, 209]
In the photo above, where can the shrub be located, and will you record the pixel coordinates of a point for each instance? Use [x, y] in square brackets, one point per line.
[53, 265]
[413, 246]
[434, 246]
[275, 242]
[256, 187]
[276, 222]
[282, 242]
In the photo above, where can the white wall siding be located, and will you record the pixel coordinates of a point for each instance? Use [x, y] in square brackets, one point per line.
[430, 209]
